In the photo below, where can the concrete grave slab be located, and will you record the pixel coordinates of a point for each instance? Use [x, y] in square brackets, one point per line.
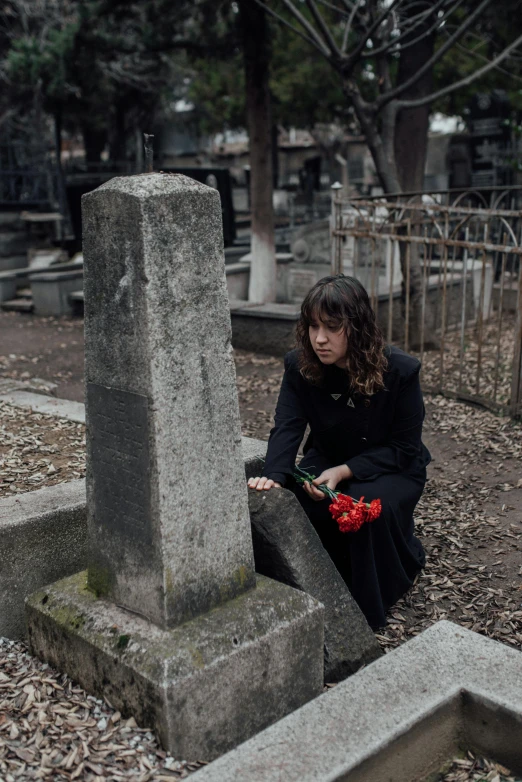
[187, 683]
[12, 262]
[397, 720]
[50, 405]
[13, 243]
[287, 548]
[51, 291]
[43, 537]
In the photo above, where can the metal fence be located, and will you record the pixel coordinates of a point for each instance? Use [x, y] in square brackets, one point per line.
[443, 273]
[27, 176]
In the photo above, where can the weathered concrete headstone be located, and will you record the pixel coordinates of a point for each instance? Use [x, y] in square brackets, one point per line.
[169, 623]
[287, 548]
[166, 509]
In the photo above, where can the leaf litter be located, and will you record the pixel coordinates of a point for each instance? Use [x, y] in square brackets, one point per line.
[50, 729]
[470, 538]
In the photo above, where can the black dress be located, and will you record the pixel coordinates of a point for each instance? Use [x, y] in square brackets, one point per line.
[379, 438]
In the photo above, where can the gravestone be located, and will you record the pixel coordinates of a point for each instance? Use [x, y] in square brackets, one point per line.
[492, 152]
[170, 622]
[287, 548]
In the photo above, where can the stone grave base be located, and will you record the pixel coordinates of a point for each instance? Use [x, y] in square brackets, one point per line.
[398, 720]
[287, 548]
[204, 686]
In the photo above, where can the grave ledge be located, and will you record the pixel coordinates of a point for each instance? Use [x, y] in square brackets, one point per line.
[398, 720]
[195, 685]
[44, 532]
[44, 537]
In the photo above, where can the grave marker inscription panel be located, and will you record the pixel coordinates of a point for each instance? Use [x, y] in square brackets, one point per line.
[120, 461]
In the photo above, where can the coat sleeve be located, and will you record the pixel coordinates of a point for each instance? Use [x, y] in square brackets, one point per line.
[290, 424]
[404, 442]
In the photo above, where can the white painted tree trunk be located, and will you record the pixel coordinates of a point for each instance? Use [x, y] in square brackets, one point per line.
[262, 286]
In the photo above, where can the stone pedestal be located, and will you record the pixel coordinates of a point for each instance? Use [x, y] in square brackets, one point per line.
[287, 548]
[203, 687]
[168, 622]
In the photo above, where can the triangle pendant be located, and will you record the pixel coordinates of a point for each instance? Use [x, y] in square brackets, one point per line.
[349, 402]
[336, 396]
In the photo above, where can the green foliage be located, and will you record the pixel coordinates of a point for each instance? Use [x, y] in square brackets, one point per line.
[305, 88]
[29, 64]
[217, 89]
[103, 66]
[488, 38]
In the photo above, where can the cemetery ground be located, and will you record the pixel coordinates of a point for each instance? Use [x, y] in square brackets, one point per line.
[469, 520]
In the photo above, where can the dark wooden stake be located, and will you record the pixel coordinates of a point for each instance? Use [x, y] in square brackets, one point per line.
[149, 151]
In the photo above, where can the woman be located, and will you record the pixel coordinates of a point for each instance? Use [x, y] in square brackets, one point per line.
[363, 403]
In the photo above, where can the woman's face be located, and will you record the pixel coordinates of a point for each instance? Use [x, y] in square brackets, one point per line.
[329, 342]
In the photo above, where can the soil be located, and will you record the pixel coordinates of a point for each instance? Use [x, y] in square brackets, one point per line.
[50, 348]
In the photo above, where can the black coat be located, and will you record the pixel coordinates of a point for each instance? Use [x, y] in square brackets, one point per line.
[379, 434]
[379, 438]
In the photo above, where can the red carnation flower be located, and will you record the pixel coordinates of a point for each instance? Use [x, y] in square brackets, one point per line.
[349, 513]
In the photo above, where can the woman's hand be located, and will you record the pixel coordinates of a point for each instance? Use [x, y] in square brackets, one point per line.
[263, 484]
[330, 478]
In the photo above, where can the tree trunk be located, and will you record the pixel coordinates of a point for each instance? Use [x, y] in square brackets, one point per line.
[59, 170]
[412, 125]
[118, 135]
[94, 142]
[390, 170]
[411, 148]
[381, 153]
[262, 287]
[275, 155]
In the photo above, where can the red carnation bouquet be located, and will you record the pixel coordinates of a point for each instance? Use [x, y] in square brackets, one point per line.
[349, 513]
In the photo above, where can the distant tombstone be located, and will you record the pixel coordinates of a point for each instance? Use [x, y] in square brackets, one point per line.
[375, 262]
[490, 139]
[311, 243]
[311, 250]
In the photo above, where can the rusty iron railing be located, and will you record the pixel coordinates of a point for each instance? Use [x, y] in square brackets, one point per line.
[443, 274]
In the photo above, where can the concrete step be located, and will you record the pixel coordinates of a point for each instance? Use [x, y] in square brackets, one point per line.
[18, 305]
[76, 302]
[12, 262]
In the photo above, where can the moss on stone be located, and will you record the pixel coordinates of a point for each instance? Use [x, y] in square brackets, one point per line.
[169, 582]
[123, 642]
[197, 657]
[99, 580]
[67, 617]
[242, 579]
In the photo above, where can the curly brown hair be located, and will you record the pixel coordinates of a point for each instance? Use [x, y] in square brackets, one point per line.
[344, 302]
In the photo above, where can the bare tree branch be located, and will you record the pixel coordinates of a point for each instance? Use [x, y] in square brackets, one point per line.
[303, 21]
[412, 104]
[474, 53]
[349, 4]
[296, 30]
[371, 30]
[333, 7]
[349, 23]
[327, 35]
[436, 57]
[421, 19]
